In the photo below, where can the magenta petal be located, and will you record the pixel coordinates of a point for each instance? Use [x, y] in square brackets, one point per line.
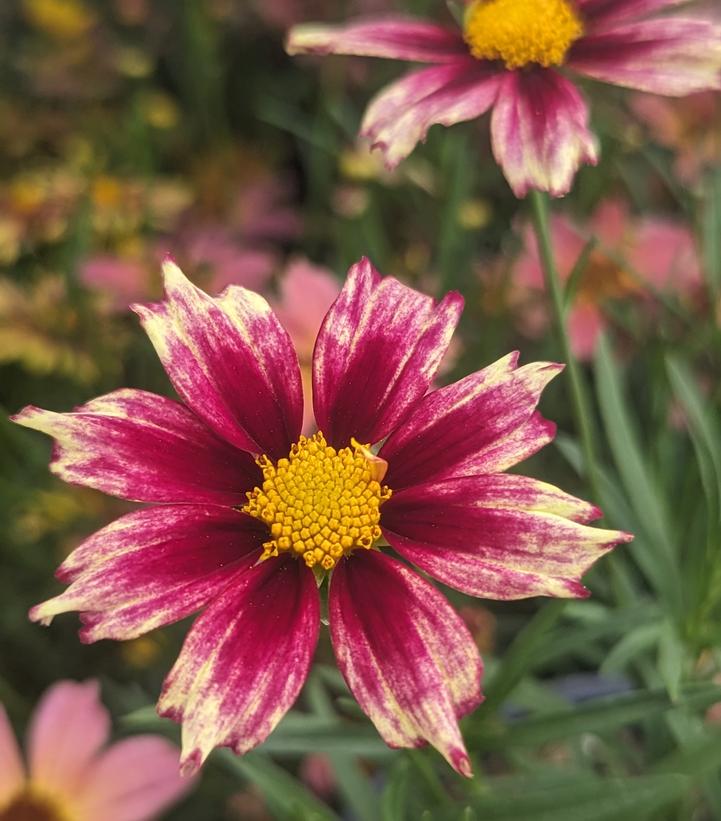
[472, 426]
[400, 116]
[153, 567]
[376, 354]
[599, 13]
[134, 780]
[143, 447]
[407, 657]
[397, 38]
[244, 660]
[668, 55]
[231, 361]
[540, 132]
[497, 537]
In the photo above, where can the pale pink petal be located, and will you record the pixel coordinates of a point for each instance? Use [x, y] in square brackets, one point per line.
[12, 771]
[400, 116]
[230, 360]
[397, 38]
[609, 223]
[244, 660]
[585, 326]
[68, 728]
[663, 252]
[599, 13]
[497, 537]
[669, 55]
[376, 354]
[123, 280]
[540, 132]
[407, 657]
[134, 780]
[143, 447]
[153, 567]
[459, 429]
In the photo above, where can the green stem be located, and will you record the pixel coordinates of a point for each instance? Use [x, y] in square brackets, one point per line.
[579, 397]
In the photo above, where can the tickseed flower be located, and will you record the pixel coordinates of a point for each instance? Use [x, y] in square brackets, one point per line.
[249, 516]
[71, 773]
[510, 56]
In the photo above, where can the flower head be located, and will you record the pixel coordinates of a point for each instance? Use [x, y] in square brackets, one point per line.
[247, 514]
[71, 774]
[510, 56]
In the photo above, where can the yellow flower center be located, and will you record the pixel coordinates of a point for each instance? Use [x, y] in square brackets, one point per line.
[520, 32]
[33, 805]
[320, 503]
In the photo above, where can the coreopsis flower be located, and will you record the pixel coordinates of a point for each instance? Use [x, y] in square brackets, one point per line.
[511, 56]
[247, 515]
[71, 771]
[633, 257]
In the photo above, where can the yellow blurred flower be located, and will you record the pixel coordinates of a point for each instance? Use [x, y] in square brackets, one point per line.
[64, 19]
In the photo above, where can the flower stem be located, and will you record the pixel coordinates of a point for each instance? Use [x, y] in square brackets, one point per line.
[579, 396]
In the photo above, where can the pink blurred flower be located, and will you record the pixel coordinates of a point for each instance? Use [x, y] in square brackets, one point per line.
[631, 253]
[70, 771]
[511, 57]
[306, 293]
[690, 127]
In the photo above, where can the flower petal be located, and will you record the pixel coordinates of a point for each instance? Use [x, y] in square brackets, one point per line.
[376, 354]
[153, 567]
[145, 448]
[134, 780]
[497, 537]
[396, 38]
[540, 133]
[12, 772]
[244, 660]
[400, 116]
[407, 657]
[597, 13]
[462, 428]
[68, 728]
[230, 360]
[669, 55]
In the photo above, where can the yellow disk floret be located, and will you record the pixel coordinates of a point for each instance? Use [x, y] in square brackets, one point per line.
[320, 503]
[521, 32]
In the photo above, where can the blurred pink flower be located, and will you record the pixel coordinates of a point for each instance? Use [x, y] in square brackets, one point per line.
[691, 127]
[631, 254]
[70, 775]
[306, 292]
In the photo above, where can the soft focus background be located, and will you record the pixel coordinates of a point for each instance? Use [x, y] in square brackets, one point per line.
[134, 128]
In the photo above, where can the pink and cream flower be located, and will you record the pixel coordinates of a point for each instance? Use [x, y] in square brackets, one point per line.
[511, 56]
[247, 516]
[71, 773]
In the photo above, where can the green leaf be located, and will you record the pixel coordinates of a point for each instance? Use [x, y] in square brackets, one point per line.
[671, 654]
[395, 800]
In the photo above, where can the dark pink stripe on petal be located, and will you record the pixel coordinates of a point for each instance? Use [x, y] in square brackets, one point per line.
[145, 448]
[669, 55]
[231, 361]
[153, 567]
[599, 13]
[540, 132]
[471, 426]
[244, 661]
[396, 38]
[376, 354]
[400, 116]
[407, 656]
[497, 537]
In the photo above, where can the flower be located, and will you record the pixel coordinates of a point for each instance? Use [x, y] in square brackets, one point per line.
[248, 516]
[631, 252]
[508, 58]
[73, 774]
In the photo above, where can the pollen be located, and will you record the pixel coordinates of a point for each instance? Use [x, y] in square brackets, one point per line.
[522, 32]
[320, 503]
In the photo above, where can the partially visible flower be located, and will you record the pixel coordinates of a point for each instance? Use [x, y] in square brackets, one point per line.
[69, 19]
[507, 58]
[690, 127]
[630, 254]
[306, 293]
[246, 516]
[71, 771]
